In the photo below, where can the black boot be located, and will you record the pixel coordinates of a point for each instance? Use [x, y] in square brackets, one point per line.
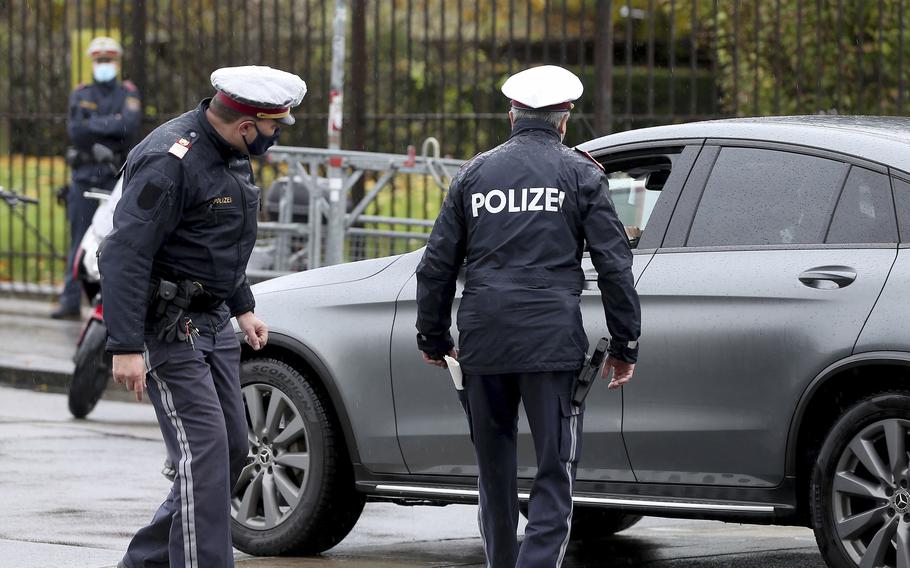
[62, 312]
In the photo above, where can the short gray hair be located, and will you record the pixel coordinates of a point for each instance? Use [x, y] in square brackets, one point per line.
[552, 117]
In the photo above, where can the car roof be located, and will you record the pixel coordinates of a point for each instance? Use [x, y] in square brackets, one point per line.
[881, 139]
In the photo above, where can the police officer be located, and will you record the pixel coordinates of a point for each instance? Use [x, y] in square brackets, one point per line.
[173, 274]
[105, 116]
[519, 216]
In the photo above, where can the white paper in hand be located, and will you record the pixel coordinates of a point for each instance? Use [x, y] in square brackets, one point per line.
[455, 371]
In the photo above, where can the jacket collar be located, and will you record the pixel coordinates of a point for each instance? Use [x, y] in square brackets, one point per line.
[107, 86]
[226, 151]
[526, 125]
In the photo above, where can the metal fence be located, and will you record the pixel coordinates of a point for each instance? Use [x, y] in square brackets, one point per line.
[419, 68]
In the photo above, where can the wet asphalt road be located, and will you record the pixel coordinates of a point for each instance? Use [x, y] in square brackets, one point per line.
[73, 492]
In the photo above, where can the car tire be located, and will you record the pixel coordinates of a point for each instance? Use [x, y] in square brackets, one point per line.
[593, 523]
[590, 524]
[92, 370]
[296, 496]
[859, 493]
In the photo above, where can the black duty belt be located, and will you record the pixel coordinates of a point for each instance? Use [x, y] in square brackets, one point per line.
[186, 293]
[170, 302]
[77, 158]
[204, 302]
[571, 280]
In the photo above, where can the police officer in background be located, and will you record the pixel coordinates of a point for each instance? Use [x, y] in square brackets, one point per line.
[520, 215]
[173, 274]
[104, 120]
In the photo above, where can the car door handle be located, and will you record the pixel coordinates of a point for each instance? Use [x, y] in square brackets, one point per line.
[828, 277]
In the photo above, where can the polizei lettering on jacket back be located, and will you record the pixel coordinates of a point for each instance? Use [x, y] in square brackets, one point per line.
[515, 200]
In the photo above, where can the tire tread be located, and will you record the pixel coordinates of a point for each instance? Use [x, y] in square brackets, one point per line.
[850, 420]
[338, 505]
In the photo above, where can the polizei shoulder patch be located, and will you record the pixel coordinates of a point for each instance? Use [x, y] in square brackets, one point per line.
[180, 147]
[590, 157]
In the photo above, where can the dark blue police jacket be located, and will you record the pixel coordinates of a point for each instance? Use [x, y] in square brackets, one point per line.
[518, 217]
[107, 113]
[188, 210]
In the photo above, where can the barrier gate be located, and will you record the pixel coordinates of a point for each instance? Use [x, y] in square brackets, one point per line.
[328, 222]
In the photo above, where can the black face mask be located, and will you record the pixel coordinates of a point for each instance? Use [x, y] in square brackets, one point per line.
[261, 144]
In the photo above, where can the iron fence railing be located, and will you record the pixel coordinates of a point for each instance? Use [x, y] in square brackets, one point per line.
[420, 68]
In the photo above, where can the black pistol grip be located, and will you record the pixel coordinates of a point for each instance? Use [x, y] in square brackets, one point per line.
[589, 373]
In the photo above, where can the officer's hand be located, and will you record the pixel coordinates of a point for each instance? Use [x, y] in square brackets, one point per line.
[438, 362]
[255, 332]
[622, 372]
[129, 370]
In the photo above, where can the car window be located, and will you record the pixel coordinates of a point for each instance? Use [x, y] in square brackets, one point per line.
[865, 210]
[635, 187]
[766, 197]
[902, 201]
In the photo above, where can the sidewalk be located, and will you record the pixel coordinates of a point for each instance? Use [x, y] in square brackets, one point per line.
[36, 351]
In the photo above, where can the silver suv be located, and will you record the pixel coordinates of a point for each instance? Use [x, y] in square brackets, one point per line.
[772, 385]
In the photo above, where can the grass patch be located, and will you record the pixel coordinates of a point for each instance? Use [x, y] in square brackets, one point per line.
[34, 239]
[409, 196]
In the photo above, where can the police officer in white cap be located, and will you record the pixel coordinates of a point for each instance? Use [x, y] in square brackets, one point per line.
[173, 275]
[518, 217]
[103, 114]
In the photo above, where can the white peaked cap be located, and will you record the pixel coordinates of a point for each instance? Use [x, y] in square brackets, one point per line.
[104, 46]
[542, 87]
[260, 91]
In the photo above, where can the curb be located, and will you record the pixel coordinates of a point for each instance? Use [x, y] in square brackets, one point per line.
[41, 380]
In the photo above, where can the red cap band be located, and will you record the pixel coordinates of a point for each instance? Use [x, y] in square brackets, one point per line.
[258, 112]
[559, 106]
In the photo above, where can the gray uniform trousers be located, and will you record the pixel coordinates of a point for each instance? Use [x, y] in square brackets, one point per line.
[196, 395]
[491, 402]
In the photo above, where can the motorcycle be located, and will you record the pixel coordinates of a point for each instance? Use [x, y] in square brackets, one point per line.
[93, 365]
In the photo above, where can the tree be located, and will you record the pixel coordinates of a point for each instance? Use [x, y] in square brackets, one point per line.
[792, 57]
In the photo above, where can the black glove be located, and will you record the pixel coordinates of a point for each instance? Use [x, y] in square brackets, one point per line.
[62, 195]
[435, 346]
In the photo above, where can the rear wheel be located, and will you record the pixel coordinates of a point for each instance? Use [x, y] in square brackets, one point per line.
[860, 493]
[92, 371]
[296, 495]
[593, 523]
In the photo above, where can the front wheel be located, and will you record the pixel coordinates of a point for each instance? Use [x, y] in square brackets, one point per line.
[92, 371]
[297, 494]
[860, 494]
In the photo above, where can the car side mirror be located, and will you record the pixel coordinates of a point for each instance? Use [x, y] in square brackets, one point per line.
[656, 180]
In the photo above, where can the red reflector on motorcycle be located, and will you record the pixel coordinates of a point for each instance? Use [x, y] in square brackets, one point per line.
[77, 262]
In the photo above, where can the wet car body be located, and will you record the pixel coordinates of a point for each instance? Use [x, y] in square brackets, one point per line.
[772, 382]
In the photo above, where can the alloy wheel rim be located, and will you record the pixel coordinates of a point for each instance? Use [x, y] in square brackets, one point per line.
[273, 481]
[871, 496]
